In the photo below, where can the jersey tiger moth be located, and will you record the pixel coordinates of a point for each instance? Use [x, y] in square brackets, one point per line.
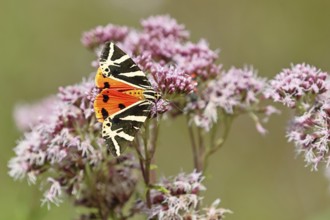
[125, 98]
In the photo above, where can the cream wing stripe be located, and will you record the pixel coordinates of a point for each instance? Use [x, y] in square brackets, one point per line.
[132, 74]
[134, 118]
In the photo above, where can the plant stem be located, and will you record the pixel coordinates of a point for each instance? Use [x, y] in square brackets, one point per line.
[193, 144]
[201, 150]
[216, 145]
[149, 143]
[153, 145]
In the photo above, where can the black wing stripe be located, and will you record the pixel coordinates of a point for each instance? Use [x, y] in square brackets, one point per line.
[120, 129]
[114, 62]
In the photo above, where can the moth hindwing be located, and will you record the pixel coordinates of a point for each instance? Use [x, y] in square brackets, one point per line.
[125, 98]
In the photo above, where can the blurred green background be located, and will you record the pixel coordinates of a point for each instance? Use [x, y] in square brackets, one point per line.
[257, 177]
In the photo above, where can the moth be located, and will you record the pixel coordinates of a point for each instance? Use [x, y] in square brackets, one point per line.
[125, 98]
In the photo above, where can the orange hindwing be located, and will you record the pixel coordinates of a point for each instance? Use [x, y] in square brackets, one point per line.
[110, 101]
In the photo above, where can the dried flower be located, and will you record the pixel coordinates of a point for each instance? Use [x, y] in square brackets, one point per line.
[298, 85]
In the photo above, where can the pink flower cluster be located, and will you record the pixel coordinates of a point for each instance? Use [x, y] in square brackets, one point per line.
[178, 199]
[236, 90]
[310, 133]
[305, 89]
[296, 86]
[111, 32]
[64, 143]
[54, 138]
[233, 92]
[35, 111]
[162, 49]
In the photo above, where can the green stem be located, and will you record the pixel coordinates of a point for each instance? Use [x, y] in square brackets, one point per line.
[146, 164]
[148, 143]
[217, 144]
[153, 146]
[201, 150]
[193, 143]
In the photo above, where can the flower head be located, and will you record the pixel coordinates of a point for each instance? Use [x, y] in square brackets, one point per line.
[297, 85]
[213, 212]
[198, 60]
[233, 92]
[310, 134]
[178, 197]
[37, 111]
[170, 80]
[99, 35]
[68, 148]
[164, 26]
[163, 50]
[236, 90]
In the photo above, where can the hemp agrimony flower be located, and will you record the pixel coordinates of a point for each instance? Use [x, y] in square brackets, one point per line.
[297, 86]
[63, 150]
[304, 88]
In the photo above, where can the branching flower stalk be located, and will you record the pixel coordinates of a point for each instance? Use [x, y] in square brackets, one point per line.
[146, 148]
[217, 142]
[212, 111]
[201, 149]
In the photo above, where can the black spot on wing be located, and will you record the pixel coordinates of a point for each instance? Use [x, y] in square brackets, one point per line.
[105, 98]
[106, 85]
[105, 113]
[121, 106]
